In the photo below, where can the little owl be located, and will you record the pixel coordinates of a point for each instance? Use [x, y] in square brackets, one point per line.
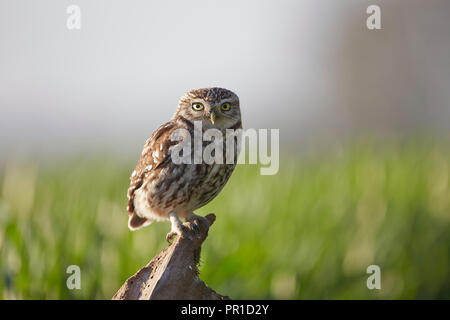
[160, 188]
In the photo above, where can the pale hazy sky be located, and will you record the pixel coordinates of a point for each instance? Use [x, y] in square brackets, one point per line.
[310, 68]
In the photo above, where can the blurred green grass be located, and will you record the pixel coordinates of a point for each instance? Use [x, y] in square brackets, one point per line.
[308, 232]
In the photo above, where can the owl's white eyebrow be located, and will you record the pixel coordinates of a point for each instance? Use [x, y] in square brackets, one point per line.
[198, 100]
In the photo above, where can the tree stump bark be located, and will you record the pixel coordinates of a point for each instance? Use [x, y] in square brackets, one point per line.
[173, 273]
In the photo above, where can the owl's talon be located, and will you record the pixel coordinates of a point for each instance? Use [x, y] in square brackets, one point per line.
[183, 232]
[170, 236]
[195, 226]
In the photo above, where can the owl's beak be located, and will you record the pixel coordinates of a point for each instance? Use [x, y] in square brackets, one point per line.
[213, 116]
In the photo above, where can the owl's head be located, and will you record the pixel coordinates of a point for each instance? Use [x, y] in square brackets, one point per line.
[215, 107]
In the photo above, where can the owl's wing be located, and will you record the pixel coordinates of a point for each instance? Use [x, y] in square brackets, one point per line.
[155, 156]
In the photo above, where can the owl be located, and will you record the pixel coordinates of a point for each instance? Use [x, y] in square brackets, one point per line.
[164, 189]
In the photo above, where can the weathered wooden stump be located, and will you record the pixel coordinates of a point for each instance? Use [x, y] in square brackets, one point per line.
[173, 273]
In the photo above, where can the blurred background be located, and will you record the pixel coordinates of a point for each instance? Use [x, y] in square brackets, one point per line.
[364, 121]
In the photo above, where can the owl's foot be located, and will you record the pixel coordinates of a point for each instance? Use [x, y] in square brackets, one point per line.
[194, 219]
[183, 233]
[177, 229]
[172, 234]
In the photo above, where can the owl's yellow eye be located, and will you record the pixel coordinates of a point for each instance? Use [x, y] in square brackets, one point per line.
[197, 106]
[225, 107]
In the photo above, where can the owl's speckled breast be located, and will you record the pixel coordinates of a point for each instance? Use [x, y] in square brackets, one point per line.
[210, 184]
[190, 187]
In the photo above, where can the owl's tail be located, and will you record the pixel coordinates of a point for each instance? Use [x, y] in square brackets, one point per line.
[135, 222]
